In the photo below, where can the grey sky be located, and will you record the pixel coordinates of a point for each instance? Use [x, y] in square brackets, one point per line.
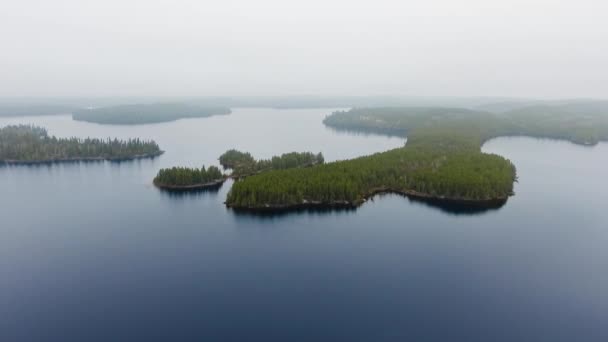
[533, 48]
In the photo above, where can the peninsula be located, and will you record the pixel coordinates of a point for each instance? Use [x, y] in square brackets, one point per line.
[442, 159]
[24, 144]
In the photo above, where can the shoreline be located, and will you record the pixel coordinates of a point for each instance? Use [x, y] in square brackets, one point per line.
[81, 159]
[472, 203]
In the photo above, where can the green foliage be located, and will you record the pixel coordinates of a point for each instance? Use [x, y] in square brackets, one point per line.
[25, 143]
[183, 176]
[233, 159]
[442, 157]
[460, 175]
[146, 113]
[244, 164]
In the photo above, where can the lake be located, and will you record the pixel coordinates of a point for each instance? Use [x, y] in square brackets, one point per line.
[94, 252]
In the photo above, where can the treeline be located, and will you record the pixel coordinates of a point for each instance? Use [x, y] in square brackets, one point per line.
[146, 113]
[183, 176]
[24, 143]
[243, 164]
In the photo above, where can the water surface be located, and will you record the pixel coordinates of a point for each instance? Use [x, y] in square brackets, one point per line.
[93, 252]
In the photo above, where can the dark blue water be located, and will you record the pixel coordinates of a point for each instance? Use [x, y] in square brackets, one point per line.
[93, 252]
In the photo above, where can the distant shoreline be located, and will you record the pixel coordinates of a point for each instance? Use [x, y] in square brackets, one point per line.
[140, 114]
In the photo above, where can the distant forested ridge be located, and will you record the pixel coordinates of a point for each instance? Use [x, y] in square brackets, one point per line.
[578, 122]
[183, 178]
[442, 158]
[243, 163]
[31, 144]
[146, 113]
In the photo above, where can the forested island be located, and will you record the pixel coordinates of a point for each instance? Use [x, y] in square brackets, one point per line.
[243, 164]
[24, 144]
[136, 114]
[442, 159]
[183, 178]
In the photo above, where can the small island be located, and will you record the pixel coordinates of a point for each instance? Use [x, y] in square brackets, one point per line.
[24, 144]
[137, 114]
[243, 164]
[187, 179]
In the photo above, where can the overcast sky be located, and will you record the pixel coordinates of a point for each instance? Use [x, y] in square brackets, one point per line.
[529, 48]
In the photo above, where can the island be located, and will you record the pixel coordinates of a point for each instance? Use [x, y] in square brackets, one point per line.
[243, 164]
[441, 161]
[25, 144]
[186, 179]
[136, 114]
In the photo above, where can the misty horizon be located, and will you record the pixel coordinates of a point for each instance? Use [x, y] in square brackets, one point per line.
[271, 170]
[519, 49]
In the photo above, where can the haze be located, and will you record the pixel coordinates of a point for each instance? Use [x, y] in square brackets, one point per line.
[521, 48]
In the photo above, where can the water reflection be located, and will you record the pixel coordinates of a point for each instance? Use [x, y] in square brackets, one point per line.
[445, 206]
[272, 214]
[192, 193]
[51, 164]
[458, 208]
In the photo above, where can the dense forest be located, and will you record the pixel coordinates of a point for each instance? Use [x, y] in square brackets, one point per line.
[177, 177]
[243, 163]
[29, 144]
[442, 158]
[461, 175]
[146, 113]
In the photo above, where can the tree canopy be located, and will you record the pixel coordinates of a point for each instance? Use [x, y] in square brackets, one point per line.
[25, 143]
[183, 176]
[442, 157]
[243, 163]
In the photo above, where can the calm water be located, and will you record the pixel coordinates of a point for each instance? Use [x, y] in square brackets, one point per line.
[93, 252]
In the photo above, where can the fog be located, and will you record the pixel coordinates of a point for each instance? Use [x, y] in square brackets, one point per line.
[521, 48]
